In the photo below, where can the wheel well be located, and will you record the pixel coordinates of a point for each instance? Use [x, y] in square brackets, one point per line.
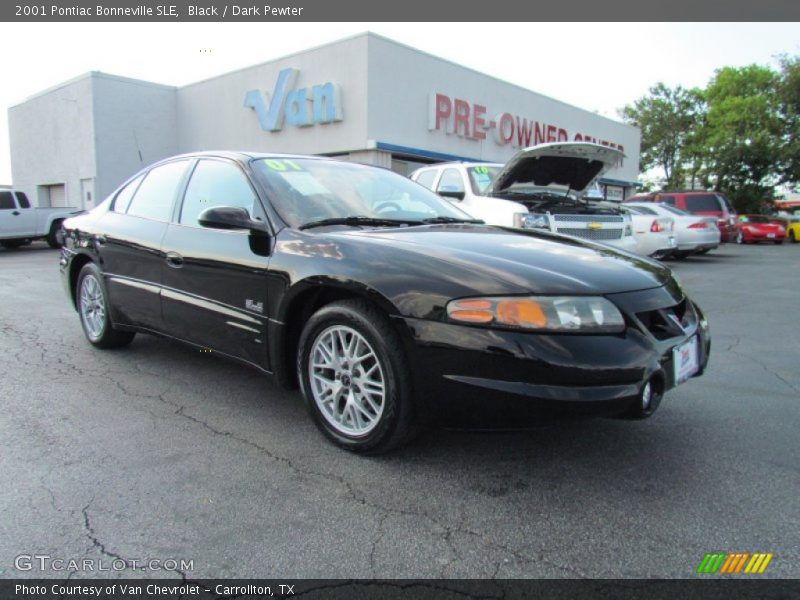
[299, 312]
[75, 268]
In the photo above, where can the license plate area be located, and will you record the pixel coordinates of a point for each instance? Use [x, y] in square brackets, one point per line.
[685, 360]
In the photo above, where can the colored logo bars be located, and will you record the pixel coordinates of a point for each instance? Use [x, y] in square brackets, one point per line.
[737, 562]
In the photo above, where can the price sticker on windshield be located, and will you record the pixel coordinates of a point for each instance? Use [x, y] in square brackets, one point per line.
[282, 164]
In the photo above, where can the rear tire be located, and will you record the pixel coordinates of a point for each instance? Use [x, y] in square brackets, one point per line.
[355, 378]
[793, 237]
[91, 300]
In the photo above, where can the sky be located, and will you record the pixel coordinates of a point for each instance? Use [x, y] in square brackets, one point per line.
[596, 66]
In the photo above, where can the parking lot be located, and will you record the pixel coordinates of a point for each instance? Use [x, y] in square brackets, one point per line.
[158, 452]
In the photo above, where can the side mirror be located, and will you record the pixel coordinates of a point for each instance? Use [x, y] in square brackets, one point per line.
[230, 217]
[454, 195]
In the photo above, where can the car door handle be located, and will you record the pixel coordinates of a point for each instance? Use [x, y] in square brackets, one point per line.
[174, 260]
[15, 213]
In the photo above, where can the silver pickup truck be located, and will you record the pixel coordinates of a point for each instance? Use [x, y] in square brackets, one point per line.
[20, 223]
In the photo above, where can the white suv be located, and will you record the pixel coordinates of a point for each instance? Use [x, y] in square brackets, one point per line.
[540, 187]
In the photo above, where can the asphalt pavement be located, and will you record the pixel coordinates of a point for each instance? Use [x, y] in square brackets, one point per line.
[161, 452]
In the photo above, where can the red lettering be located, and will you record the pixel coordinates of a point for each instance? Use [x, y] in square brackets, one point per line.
[524, 131]
[443, 110]
[461, 117]
[620, 147]
[504, 132]
[478, 122]
[578, 137]
[538, 133]
[562, 135]
[551, 133]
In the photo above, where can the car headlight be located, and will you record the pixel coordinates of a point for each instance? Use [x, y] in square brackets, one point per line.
[531, 221]
[585, 314]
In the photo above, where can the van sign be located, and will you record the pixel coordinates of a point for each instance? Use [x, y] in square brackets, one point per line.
[298, 107]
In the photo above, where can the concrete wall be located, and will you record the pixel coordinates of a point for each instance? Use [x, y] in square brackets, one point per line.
[52, 140]
[212, 114]
[402, 80]
[135, 125]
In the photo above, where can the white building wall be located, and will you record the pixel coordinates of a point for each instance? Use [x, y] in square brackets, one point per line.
[52, 140]
[402, 81]
[212, 115]
[135, 126]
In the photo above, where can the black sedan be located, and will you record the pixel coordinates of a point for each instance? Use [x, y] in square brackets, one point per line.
[386, 304]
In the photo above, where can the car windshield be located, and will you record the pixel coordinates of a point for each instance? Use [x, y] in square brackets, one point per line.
[306, 191]
[481, 177]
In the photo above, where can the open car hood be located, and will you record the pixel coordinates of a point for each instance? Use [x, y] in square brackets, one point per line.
[559, 166]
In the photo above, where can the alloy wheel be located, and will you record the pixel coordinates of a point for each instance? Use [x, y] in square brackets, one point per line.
[347, 380]
[92, 307]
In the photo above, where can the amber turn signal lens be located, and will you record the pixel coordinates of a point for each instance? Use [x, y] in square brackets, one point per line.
[472, 316]
[521, 313]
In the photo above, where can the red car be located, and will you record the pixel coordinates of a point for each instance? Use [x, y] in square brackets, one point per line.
[759, 228]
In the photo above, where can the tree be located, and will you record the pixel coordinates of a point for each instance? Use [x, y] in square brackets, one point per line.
[789, 98]
[743, 133]
[666, 118]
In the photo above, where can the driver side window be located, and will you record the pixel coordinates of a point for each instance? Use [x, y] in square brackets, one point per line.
[451, 181]
[215, 183]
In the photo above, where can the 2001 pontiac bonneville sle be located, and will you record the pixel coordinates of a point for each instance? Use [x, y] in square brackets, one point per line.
[386, 304]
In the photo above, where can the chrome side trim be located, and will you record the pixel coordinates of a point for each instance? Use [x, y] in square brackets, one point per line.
[240, 326]
[149, 287]
[195, 301]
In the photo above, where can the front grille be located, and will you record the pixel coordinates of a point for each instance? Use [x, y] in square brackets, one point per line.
[661, 322]
[591, 234]
[588, 219]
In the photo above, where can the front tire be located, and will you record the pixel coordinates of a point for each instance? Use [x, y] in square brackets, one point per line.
[92, 303]
[355, 378]
[646, 403]
[55, 237]
[793, 237]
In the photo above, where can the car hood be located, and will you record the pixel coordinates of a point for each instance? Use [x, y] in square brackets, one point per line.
[558, 167]
[496, 260]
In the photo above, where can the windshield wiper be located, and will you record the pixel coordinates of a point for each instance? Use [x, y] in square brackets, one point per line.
[451, 220]
[356, 220]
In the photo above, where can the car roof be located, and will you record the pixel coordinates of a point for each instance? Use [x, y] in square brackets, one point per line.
[243, 155]
[461, 164]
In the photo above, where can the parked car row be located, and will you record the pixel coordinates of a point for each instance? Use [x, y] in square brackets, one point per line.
[553, 187]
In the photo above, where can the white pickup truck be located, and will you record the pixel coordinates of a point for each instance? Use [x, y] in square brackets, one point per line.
[20, 223]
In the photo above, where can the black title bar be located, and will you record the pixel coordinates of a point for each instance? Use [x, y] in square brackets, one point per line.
[407, 10]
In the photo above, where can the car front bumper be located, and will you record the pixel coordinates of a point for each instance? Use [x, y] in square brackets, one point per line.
[462, 370]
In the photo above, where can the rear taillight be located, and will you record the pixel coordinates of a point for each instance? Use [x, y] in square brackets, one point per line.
[700, 225]
[656, 227]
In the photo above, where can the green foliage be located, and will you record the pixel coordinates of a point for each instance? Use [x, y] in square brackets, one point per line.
[666, 116]
[740, 135]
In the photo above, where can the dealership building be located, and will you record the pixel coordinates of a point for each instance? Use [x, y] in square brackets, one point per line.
[365, 98]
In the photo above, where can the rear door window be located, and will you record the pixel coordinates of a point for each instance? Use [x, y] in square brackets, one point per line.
[23, 200]
[156, 194]
[123, 199]
[668, 199]
[703, 203]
